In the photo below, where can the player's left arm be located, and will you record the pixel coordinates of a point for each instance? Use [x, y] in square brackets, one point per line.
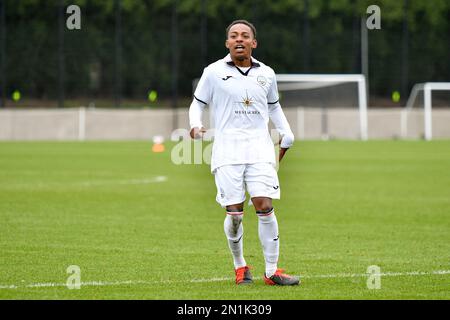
[280, 122]
[278, 118]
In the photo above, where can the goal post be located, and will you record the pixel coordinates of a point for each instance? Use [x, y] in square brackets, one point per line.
[427, 88]
[287, 82]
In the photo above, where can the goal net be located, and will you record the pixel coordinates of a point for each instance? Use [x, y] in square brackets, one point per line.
[427, 111]
[326, 105]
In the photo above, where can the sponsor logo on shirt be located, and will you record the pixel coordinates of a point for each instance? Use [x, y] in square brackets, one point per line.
[247, 101]
[246, 112]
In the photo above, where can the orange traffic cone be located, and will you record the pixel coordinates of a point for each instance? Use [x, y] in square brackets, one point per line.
[158, 148]
[158, 145]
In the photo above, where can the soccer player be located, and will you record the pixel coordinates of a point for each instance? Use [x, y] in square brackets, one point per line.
[242, 95]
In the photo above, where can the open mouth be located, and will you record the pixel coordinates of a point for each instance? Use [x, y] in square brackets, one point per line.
[239, 47]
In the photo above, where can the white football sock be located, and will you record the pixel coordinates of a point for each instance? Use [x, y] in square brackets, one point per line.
[234, 230]
[268, 235]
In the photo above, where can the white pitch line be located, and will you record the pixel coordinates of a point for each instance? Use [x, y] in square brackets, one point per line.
[211, 280]
[88, 284]
[144, 282]
[43, 185]
[385, 274]
[133, 181]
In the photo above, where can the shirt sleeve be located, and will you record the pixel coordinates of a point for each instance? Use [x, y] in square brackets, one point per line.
[203, 92]
[280, 122]
[195, 114]
[272, 96]
[277, 116]
[202, 97]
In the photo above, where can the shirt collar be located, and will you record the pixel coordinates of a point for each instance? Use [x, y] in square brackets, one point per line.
[229, 61]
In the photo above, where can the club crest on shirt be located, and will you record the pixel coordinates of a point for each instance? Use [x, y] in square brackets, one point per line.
[261, 80]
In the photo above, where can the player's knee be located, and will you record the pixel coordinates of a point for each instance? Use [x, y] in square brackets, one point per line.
[235, 208]
[265, 212]
[262, 205]
[267, 215]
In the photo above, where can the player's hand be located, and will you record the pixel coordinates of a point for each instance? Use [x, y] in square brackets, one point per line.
[282, 153]
[197, 133]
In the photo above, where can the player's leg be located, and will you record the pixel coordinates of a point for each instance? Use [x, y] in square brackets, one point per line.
[231, 195]
[262, 184]
[234, 231]
[268, 232]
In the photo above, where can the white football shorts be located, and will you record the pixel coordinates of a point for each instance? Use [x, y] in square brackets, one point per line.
[258, 179]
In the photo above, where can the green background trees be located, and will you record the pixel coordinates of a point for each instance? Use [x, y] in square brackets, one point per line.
[295, 36]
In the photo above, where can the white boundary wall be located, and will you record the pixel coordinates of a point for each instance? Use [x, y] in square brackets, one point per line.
[109, 124]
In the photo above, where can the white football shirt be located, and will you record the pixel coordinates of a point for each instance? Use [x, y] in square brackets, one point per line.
[241, 103]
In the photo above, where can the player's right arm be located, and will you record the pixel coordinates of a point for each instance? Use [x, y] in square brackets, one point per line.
[195, 119]
[202, 97]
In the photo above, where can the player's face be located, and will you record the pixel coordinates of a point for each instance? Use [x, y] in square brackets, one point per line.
[240, 42]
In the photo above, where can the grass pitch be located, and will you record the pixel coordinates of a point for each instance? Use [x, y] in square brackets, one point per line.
[140, 227]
